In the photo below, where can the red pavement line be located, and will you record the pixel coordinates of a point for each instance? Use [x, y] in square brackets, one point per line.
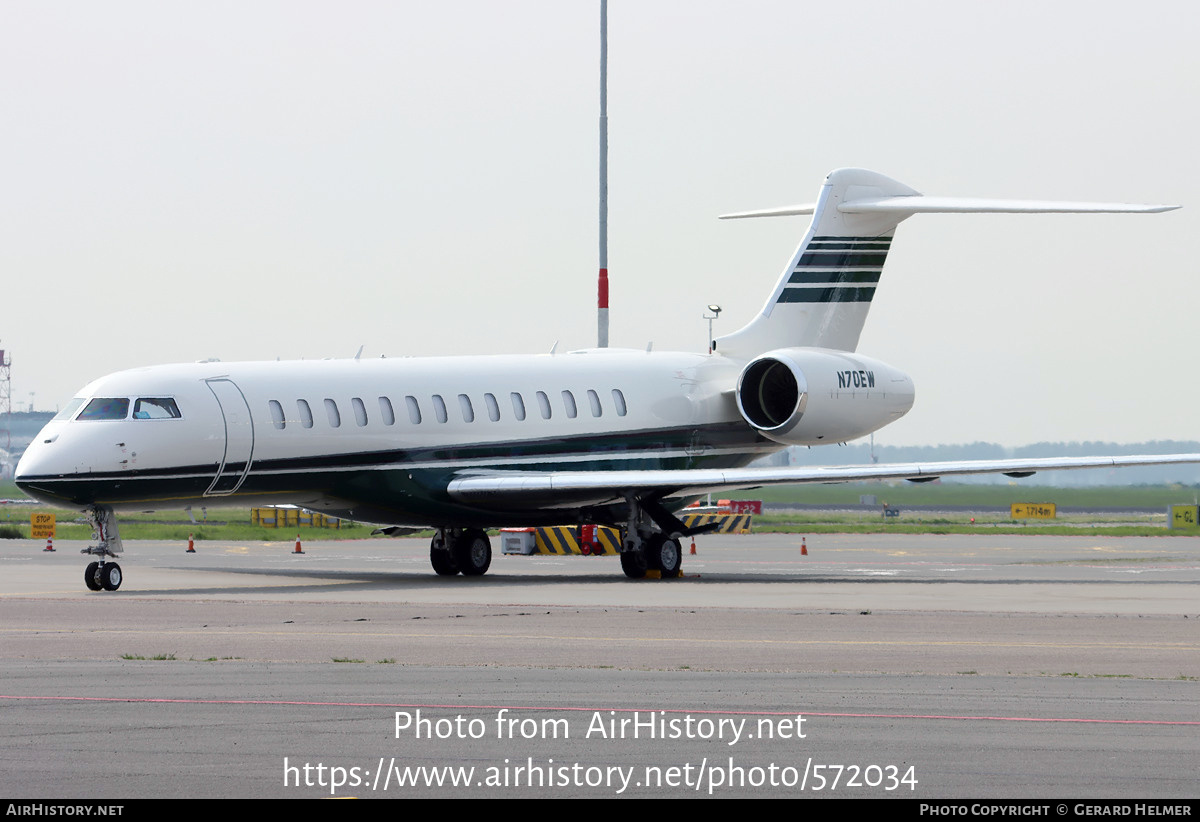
[585, 709]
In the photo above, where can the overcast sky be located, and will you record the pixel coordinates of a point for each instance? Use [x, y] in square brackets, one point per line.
[252, 180]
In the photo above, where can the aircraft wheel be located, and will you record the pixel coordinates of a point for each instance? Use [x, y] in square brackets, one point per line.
[633, 563]
[110, 576]
[442, 560]
[473, 552]
[91, 578]
[664, 554]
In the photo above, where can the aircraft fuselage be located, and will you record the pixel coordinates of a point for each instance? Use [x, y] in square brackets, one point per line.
[380, 439]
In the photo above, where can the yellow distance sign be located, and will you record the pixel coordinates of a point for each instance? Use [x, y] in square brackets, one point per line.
[42, 526]
[1184, 516]
[1034, 510]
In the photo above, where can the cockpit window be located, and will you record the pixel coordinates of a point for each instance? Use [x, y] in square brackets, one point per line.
[155, 408]
[70, 410]
[105, 408]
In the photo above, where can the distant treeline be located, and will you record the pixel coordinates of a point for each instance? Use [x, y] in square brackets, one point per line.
[859, 453]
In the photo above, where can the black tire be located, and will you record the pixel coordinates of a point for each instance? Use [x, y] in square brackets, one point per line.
[442, 560]
[664, 554]
[473, 552]
[651, 549]
[110, 576]
[91, 578]
[633, 563]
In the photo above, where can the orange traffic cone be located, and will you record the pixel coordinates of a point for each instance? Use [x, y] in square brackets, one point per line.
[297, 551]
[693, 551]
[803, 547]
[191, 545]
[49, 544]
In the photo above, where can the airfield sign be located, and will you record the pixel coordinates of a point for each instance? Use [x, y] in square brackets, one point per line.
[1034, 510]
[1183, 516]
[41, 526]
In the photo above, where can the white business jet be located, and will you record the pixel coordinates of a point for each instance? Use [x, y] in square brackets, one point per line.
[616, 437]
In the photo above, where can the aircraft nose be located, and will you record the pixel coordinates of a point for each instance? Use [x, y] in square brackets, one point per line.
[35, 471]
[25, 465]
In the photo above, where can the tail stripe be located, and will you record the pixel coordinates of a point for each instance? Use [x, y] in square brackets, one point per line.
[828, 277]
[851, 242]
[842, 259]
[837, 270]
[828, 295]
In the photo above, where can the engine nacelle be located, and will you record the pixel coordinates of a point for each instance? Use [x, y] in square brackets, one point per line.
[810, 396]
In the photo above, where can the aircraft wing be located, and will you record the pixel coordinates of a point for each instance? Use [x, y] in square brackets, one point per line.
[560, 488]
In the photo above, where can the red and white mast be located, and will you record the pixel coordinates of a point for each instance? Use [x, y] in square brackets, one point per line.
[602, 286]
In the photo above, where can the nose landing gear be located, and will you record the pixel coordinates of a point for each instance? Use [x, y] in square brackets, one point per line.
[103, 575]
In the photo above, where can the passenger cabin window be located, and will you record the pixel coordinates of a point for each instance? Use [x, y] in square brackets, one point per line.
[544, 404]
[360, 411]
[518, 403]
[569, 402]
[155, 408]
[493, 407]
[70, 410]
[439, 408]
[306, 417]
[335, 416]
[385, 409]
[414, 410]
[619, 401]
[464, 403]
[103, 408]
[277, 415]
[594, 401]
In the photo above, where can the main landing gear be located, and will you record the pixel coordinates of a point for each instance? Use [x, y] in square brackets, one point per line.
[103, 575]
[658, 552]
[466, 551]
[650, 544]
[652, 536]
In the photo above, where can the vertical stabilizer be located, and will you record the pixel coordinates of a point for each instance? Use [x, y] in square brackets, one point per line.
[822, 298]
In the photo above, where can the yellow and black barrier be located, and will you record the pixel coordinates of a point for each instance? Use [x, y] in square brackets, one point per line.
[600, 540]
[730, 523]
[560, 540]
[291, 518]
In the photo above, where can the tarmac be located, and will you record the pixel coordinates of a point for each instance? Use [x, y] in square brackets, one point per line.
[923, 667]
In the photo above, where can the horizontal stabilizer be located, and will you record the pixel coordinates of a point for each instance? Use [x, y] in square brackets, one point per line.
[785, 211]
[920, 204]
[969, 205]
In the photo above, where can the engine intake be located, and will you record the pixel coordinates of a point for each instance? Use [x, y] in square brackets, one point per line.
[809, 396]
[771, 393]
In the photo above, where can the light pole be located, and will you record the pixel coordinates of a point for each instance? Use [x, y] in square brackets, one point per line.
[716, 312]
[602, 281]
